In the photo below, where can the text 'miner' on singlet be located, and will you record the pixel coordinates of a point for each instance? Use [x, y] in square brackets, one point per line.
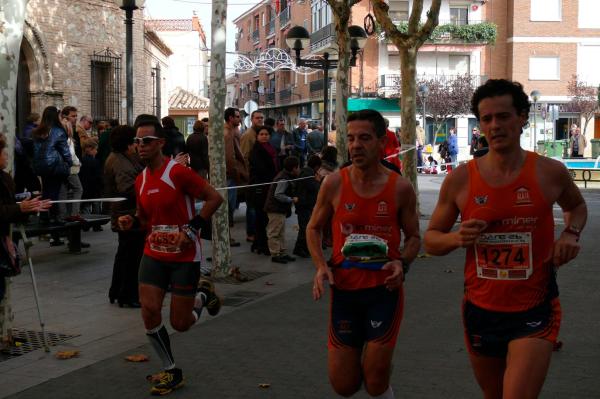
[166, 199]
[510, 268]
[376, 215]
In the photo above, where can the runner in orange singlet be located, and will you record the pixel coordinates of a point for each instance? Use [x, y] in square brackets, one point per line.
[511, 311]
[368, 207]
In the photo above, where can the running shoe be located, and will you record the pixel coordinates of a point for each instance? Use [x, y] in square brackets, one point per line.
[170, 381]
[213, 302]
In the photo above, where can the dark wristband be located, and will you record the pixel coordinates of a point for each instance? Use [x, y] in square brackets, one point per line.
[405, 266]
[199, 223]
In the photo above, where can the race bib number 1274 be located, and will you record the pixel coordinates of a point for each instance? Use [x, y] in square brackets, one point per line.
[504, 256]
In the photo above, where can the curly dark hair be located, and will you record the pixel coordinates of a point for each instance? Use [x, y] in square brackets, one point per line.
[501, 87]
[121, 138]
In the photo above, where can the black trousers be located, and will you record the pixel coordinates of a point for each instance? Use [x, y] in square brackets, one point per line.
[124, 286]
[303, 219]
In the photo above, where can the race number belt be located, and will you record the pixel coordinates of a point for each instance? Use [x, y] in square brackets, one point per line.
[504, 256]
[364, 251]
[163, 237]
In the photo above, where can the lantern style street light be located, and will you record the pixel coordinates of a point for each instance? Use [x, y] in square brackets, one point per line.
[129, 6]
[535, 96]
[298, 39]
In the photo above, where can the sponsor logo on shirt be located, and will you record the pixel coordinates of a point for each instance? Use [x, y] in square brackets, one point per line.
[382, 209]
[152, 191]
[349, 207]
[481, 200]
[376, 324]
[522, 197]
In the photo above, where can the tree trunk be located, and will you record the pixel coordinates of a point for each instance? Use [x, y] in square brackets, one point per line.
[342, 87]
[221, 252]
[408, 107]
[12, 17]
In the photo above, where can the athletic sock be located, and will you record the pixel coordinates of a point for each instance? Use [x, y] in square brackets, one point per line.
[159, 338]
[389, 394]
[199, 305]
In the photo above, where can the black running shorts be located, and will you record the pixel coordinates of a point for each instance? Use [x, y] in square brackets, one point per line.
[366, 315]
[488, 333]
[181, 277]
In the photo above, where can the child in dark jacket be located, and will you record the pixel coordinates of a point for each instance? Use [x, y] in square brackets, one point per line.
[90, 175]
[306, 191]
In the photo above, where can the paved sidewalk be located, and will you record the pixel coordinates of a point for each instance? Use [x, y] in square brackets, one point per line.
[280, 338]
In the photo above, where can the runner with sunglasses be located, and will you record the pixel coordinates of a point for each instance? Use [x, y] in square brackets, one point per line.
[166, 192]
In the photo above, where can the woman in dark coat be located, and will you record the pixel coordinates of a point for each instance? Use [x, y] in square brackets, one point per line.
[10, 211]
[120, 171]
[264, 165]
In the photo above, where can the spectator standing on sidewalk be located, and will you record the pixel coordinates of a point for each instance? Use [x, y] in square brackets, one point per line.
[300, 135]
[234, 163]
[315, 141]
[197, 146]
[279, 207]
[91, 179]
[175, 142]
[120, 171]
[306, 191]
[246, 143]
[172, 254]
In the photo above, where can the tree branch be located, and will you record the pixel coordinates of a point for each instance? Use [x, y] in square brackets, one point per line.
[380, 8]
[418, 38]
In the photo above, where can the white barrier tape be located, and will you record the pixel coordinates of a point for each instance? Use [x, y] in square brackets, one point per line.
[263, 184]
[406, 149]
[73, 201]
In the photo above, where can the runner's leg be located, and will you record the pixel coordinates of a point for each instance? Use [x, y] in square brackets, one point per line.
[345, 373]
[489, 373]
[376, 370]
[526, 367]
[151, 299]
[182, 317]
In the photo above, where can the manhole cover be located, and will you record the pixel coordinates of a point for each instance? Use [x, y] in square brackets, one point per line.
[239, 298]
[32, 340]
[249, 276]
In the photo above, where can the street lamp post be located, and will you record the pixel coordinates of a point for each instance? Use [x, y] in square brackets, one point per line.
[298, 39]
[535, 96]
[128, 6]
[423, 91]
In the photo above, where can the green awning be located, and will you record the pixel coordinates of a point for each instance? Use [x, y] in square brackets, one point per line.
[378, 104]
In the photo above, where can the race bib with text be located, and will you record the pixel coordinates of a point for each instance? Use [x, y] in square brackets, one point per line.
[504, 256]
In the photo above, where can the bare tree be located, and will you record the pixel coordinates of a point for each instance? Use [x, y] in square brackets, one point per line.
[408, 45]
[341, 10]
[218, 178]
[12, 18]
[584, 99]
[449, 97]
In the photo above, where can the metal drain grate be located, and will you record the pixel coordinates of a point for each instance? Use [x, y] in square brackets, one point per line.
[249, 276]
[32, 340]
[240, 298]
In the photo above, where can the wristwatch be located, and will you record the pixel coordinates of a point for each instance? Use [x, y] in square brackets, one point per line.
[574, 230]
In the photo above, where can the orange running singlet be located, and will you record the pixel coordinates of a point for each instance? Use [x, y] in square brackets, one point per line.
[510, 268]
[375, 215]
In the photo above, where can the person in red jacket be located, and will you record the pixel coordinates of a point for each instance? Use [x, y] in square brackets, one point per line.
[392, 147]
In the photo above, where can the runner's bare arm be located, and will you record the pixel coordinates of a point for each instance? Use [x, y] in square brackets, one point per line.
[439, 239]
[409, 220]
[321, 215]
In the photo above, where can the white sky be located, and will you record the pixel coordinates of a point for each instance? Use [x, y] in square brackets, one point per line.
[174, 9]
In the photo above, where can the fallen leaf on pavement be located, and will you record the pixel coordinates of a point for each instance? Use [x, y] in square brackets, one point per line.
[269, 283]
[66, 354]
[448, 271]
[137, 358]
[424, 255]
[264, 385]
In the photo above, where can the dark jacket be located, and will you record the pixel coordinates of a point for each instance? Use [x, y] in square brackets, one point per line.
[120, 172]
[197, 146]
[279, 198]
[307, 189]
[174, 143]
[10, 212]
[90, 176]
[50, 152]
[262, 170]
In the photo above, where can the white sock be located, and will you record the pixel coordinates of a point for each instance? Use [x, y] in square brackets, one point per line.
[389, 394]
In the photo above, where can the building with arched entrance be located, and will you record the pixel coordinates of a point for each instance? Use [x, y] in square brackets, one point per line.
[73, 53]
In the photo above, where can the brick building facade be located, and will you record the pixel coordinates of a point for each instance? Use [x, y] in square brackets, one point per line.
[73, 53]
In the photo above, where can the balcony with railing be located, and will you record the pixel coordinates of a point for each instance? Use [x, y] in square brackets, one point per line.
[389, 85]
[270, 98]
[459, 31]
[270, 28]
[316, 88]
[284, 17]
[323, 38]
[256, 36]
[285, 96]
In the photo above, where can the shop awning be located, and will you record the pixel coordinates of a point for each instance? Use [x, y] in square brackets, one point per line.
[377, 104]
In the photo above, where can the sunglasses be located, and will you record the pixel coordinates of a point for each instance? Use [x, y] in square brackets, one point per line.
[145, 140]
